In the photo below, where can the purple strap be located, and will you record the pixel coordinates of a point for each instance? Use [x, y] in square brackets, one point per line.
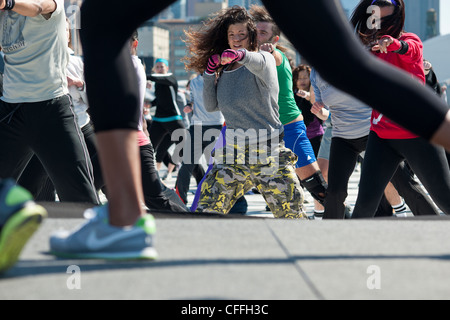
[220, 142]
[391, 1]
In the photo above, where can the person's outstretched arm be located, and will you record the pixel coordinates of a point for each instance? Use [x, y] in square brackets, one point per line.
[340, 58]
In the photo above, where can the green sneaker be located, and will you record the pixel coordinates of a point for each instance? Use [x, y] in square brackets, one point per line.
[20, 217]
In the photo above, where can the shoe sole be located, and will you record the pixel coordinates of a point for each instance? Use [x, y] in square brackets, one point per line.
[146, 254]
[16, 233]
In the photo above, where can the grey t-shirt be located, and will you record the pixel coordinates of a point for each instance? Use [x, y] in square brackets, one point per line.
[349, 116]
[247, 98]
[36, 56]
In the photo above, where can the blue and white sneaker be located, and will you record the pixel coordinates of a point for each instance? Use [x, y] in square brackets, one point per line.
[20, 217]
[97, 239]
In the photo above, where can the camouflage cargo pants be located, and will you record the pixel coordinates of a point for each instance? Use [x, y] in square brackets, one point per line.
[274, 176]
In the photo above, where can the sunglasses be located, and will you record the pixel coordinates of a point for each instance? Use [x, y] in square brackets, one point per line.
[391, 1]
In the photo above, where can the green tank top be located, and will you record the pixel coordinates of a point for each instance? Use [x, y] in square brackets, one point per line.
[286, 101]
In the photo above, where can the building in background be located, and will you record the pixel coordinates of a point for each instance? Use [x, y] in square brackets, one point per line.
[200, 9]
[244, 3]
[205, 8]
[154, 43]
[178, 49]
[436, 50]
[163, 36]
[423, 18]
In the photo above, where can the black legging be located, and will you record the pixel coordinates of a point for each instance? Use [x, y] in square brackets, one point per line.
[384, 155]
[343, 156]
[161, 137]
[329, 45]
[106, 28]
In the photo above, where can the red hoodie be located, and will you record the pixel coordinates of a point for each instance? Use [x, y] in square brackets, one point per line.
[412, 62]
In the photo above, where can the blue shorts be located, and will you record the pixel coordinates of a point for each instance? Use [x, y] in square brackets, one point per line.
[295, 139]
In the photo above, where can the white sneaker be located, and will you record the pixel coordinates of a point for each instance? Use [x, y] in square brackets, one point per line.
[401, 215]
[97, 239]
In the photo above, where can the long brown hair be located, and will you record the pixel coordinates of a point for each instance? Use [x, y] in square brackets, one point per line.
[392, 25]
[212, 37]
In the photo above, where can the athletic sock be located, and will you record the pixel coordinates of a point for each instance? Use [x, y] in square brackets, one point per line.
[318, 214]
[400, 208]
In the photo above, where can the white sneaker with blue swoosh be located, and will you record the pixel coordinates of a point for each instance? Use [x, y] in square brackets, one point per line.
[97, 239]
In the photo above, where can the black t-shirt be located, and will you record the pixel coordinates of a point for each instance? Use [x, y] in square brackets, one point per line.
[166, 88]
[305, 107]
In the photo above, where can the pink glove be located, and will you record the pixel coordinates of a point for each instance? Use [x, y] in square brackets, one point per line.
[230, 56]
[213, 64]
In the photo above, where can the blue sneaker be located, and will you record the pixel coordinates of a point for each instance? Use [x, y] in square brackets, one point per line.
[20, 217]
[97, 239]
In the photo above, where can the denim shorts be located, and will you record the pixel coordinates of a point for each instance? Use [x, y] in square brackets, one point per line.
[325, 145]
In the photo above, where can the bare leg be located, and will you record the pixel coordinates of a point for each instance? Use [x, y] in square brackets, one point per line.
[170, 169]
[442, 135]
[307, 171]
[122, 176]
[392, 195]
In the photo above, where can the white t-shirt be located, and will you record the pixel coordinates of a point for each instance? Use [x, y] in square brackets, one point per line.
[75, 69]
[142, 84]
[35, 56]
[200, 115]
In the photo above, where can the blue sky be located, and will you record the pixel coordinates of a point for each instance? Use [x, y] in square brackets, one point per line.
[445, 16]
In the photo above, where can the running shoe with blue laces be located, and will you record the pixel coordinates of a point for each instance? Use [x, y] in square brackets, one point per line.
[20, 217]
[97, 239]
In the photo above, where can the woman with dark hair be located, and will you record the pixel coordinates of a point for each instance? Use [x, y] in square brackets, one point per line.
[389, 143]
[304, 97]
[363, 72]
[242, 83]
[374, 19]
[210, 41]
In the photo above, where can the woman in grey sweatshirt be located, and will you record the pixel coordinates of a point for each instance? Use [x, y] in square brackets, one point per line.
[242, 84]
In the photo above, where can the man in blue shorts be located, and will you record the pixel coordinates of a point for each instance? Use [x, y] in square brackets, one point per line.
[295, 137]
